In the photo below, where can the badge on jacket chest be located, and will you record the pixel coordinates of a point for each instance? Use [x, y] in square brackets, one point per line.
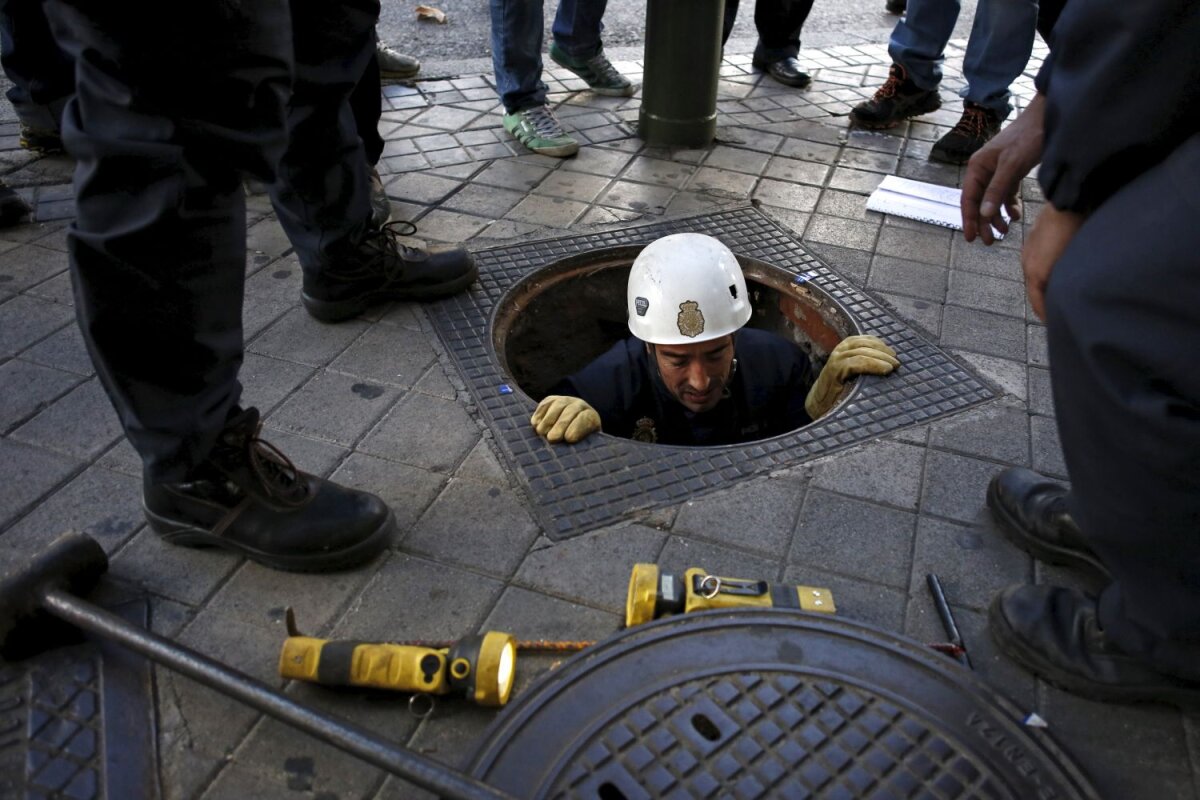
[644, 431]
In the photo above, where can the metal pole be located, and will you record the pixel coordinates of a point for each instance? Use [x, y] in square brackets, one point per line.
[683, 61]
[357, 741]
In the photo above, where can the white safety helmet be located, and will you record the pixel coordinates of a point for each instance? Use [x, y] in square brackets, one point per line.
[685, 288]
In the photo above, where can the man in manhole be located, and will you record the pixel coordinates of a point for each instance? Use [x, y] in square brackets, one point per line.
[690, 374]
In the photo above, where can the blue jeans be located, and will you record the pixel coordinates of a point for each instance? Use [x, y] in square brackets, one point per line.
[517, 44]
[998, 50]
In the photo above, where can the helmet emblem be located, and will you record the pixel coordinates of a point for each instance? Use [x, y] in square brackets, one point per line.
[690, 320]
[641, 305]
[644, 431]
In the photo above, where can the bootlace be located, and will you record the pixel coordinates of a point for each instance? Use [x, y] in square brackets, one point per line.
[274, 473]
[973, 124]
[379, 253]
[892, 85]
[544, 122]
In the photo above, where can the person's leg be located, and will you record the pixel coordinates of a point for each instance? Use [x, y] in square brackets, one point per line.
[517, 53]
[43, 76]
[577, 46]
[919, 40]
[1121, 326]
[997, 51]
[159, 129]
[779, 23]
[1128, 398]
[366, 102]
[322, 194]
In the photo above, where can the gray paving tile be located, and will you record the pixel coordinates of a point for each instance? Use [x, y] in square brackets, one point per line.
[408, 491]
[637, 196]
[657, 172]
[856, 600]
[29, 388]
[188, 575]
[680, 554]
[483, 466]
[311, 455]
[1008, 375]
[63, 350]
[722, 181]
[27, 473]
[280, 280]
[911, 278]
[1047, 449]
[424, 431]
[993, 261]
[483, 200]
[931, 246]
[885, 472]
[334, 407]
[797, 171]
[1037, 346]
[450, 227]
[300, 338]
[260, 597]
[553, 211]
[955, 485]
[996, 432]
[736, 159]
[102, 504]
[596, 161]
[850, 233]
[688, 203]
[758, 516]
[926, 315]
[420, 188]
[984, 332]
[81, 423]
[853, 180]
[573, 186]
[988, 294]
[606, 557]
[848, 262]
[787, 195]
[475, 525]
[846, 204]
[56, 290]
[845, 535]
[24, 320]
[27, 265]
[1041, 394]
[972, 562]
[267, 381]
[387, 354]
[867, 160]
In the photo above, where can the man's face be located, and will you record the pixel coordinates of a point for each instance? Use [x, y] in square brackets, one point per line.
[696, 374]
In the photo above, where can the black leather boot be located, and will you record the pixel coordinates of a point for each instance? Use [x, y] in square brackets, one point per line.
[1032, 513]
[249, 498]
[1053, 632]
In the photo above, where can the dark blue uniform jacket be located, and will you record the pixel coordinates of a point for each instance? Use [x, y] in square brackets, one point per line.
[766, 395]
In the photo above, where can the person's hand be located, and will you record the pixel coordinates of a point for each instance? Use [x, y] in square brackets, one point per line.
[560, 418]
[1052, 232]
[854, 355]
[994, 174]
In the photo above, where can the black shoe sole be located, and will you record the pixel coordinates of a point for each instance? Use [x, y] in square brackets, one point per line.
[799, 83]
[340, 310]
[1015, 647]
[927, 106]
[173, 532]
[1042, 551]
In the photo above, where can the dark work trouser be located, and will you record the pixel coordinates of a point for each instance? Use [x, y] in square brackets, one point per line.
[778, 23]
[1124, 323]
[43, 75]
[174, 103]
[367, 104]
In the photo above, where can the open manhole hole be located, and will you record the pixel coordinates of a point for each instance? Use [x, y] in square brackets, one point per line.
[597, 482]
[557, 320]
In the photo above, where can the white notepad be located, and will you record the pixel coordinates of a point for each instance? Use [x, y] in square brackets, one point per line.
[924, 202]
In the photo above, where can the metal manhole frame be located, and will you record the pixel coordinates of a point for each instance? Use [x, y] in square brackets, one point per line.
[605, 479]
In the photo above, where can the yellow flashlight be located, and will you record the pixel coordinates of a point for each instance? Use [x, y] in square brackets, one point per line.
[653, 594]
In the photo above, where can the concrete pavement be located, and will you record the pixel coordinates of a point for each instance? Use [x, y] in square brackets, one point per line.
[379, 403]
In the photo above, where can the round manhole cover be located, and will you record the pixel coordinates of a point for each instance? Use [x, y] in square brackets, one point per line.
[768, 704]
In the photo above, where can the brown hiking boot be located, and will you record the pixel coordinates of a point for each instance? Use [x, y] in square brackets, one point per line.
[895, 101]
[974, 128]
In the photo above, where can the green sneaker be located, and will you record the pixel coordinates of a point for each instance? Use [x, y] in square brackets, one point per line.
[538, 129]
[598, 71]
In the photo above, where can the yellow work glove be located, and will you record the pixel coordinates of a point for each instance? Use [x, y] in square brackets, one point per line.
[561, 418]
[854, 355]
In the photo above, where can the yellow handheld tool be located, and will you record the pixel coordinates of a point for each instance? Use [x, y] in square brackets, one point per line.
[481, 668]
[653, 595]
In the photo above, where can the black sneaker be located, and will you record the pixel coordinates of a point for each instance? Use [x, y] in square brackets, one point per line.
[1032, 513]
[1054, 633]
[976, 126]
[896, 6]
[895, 101]
[382, 269]
[249, 498]
[43, 141]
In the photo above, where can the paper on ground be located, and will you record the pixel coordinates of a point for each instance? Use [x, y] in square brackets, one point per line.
[925, 202]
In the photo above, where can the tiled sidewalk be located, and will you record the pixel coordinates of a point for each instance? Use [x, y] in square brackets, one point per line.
[377, 402]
